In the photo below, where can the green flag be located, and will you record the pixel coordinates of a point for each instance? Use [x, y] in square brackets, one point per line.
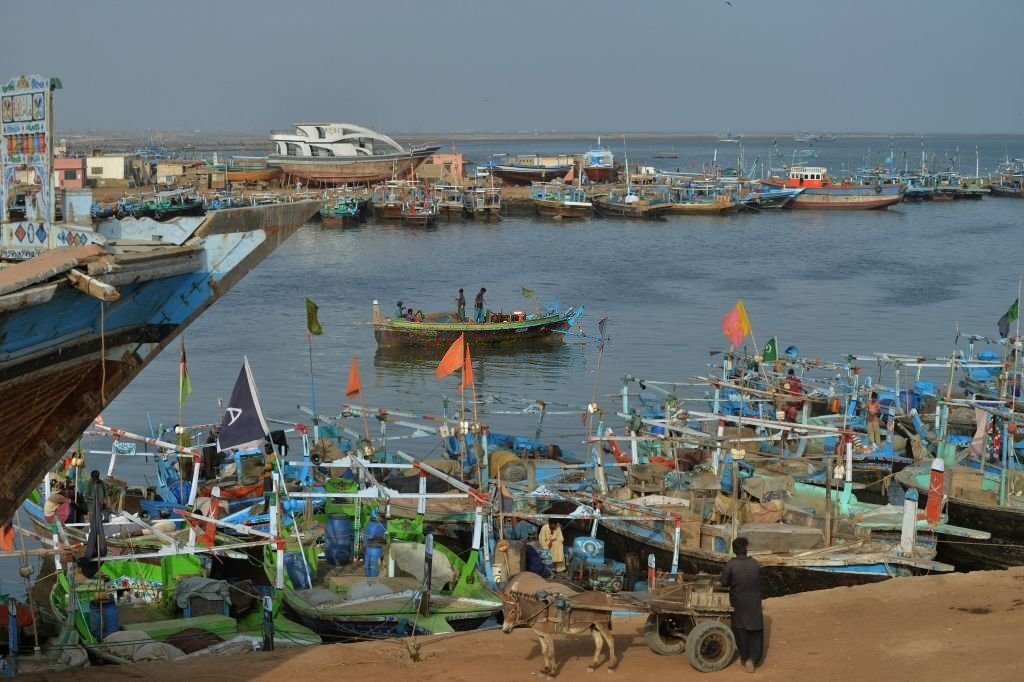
[184, 381]
[771, 350]
[1008, 317]
[527, 293]
[312, 324]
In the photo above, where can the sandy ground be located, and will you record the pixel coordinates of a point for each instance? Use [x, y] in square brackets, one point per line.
[955, 627]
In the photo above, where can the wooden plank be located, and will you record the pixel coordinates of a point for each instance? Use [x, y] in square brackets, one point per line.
[45, 266]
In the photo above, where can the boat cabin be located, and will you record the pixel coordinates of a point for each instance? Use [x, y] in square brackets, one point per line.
[808, 176]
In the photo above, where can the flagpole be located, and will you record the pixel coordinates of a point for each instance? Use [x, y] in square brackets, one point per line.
[1016, 356]
[181, 387]
[312, 388]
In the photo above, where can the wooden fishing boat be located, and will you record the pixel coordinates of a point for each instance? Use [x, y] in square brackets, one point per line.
[524, 169]
[821, 192]
[440, 329]
[556, 199]
[482, 201]
[701, 198]
[599, 164]
[245, 169]
[630, 205]
[345, 211]
[390, 198]
[450, 200]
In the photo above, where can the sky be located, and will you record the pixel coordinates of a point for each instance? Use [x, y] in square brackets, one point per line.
[422, 66]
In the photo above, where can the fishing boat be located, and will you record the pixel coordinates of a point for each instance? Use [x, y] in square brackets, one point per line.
[630, 204]
[245, 169]
[345, 211]
[176, 202]
[440, 329]
[420, 212]
[389, 199]
[763, 198]
[343, 154]
[599, 164]
[450, 200]
[729, 137]
[482, 201]
[820, 191]
[700, 198]
[666, 154]
[524, 169]
[84, 308]
[556, 199]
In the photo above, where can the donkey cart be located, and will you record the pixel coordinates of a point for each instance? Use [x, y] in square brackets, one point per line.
[688, 613]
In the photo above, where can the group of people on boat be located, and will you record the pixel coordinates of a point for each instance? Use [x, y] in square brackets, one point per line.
[479, 315]
[403, 313]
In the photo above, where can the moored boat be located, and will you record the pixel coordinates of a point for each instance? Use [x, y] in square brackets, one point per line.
[629, 204]
[523, 169]
[599, 164]
[556, 199]
[820, 191]
[482, 201]
[345, 211]
[343, 153]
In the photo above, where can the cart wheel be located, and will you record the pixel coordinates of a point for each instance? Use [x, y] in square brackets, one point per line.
[659, 639]
[710, 646]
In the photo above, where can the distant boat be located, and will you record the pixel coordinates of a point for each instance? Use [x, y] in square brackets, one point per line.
[819, 191]
[343, 153]
[556, 199]
[729, 136]
[525, 169]
[599, 164]
[666, 154]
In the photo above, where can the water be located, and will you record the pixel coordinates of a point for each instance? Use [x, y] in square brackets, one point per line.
[831, 283]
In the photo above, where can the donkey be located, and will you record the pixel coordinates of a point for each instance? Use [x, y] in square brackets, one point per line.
[541, 612]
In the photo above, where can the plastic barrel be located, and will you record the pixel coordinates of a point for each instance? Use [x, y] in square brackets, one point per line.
[103, 618]
[296, 569]
[338, 536]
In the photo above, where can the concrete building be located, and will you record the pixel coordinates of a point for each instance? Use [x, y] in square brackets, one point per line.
[69, 173]
[116, 171]
[446, 167]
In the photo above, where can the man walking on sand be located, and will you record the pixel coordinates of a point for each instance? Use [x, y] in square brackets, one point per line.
[742, 576]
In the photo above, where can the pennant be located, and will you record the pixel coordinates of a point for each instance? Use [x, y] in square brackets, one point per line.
[1008, 317]
[570, 175]
[312, 323]
[527, 293]
[467, 370]
[600, 330]
[453, 359]
[353, 386]
[735, 324]
[184, 380]
[243, 420]
[771, 350]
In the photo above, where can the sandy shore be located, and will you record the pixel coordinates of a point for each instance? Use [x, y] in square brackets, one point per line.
[953, 627]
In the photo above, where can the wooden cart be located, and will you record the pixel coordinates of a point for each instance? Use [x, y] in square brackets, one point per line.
[688, 613]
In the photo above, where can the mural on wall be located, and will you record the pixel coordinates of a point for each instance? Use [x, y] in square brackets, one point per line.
[26, 136]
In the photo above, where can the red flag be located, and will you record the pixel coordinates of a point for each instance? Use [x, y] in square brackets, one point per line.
[735, 324]
[353, 386]
[452, 360]
[467, 370]
[570, 175]
[7, 537]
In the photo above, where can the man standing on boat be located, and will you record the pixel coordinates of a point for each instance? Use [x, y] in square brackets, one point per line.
[742, 575]
[874, 412]
[461, 302]
[399, 311]
[478, 306]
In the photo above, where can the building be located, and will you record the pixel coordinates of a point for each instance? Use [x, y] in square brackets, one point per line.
[446, 167]
[69, 173]
[116, 171]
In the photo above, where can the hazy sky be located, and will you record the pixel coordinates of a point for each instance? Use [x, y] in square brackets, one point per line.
[921, 66]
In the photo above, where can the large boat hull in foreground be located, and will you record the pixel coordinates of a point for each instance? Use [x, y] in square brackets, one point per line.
[66, 354]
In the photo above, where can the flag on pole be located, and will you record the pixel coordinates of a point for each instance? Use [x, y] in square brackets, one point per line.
[1008, 317]
[467, 370]
[735, 324]
[600, 332]
[527, 293]
[184, 381]
[312, 323]
[243, 420]
[353, 386]
[453, 359]
[771, 350]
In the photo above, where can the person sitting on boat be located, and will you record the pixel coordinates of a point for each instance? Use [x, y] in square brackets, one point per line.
[399, 310]
[461, 303]
[478, 305]
[418, 317]
[410, 315]
[551, 537]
